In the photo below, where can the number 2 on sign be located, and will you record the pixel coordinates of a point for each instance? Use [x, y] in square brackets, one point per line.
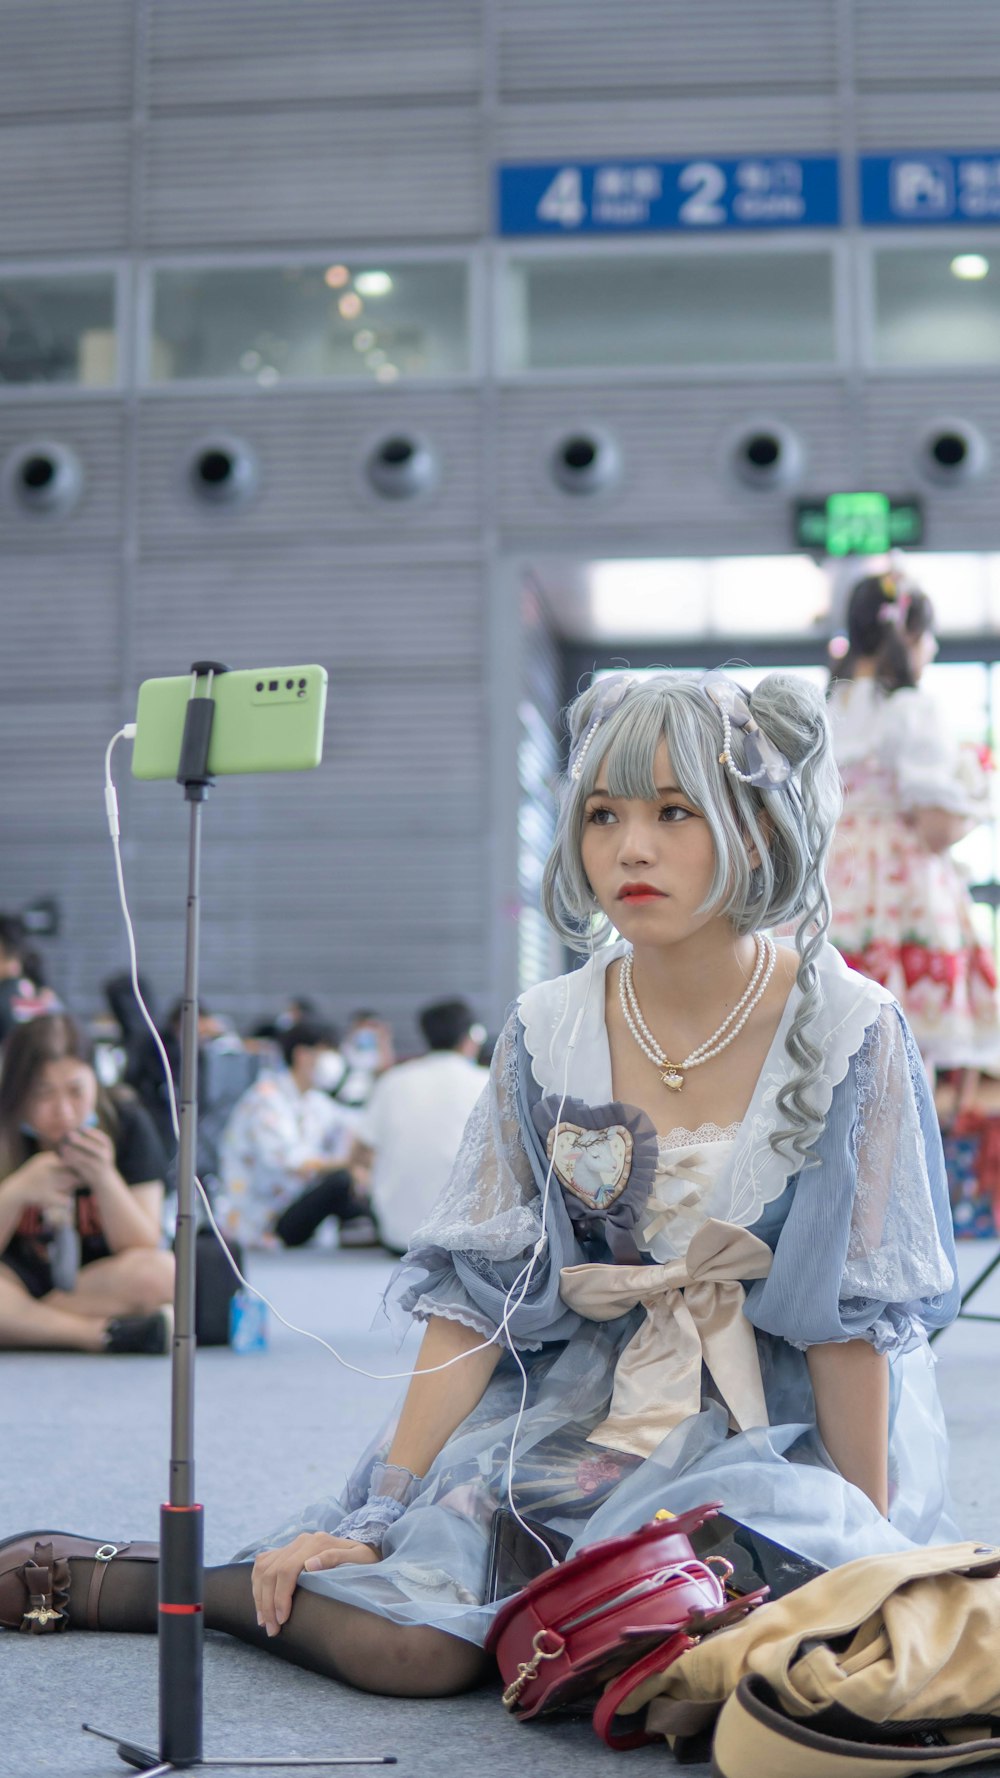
[707, 184]
[563, 200]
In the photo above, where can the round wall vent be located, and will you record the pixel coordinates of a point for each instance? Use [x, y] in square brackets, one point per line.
[402, 466]
[223, 471]
[586, 461]
[43, 478]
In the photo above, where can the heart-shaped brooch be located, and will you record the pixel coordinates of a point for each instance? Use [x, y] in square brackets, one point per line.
[604, 1156]
[594, 1165]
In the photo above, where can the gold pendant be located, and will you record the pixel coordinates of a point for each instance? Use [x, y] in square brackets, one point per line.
[42, 1614]
[672, 1078]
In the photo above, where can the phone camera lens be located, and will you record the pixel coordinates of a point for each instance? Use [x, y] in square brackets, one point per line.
[289, 685]
[260, 685]
[302, 685]
[272, 685]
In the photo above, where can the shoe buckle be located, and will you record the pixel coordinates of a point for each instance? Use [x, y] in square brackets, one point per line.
[42, 1614]
[105, 1553]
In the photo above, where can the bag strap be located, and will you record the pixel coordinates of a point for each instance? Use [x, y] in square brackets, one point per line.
[658, 1659]
[754, 1735]
[654, 1661]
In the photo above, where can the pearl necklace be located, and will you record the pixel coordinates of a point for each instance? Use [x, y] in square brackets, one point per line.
[672, 1073]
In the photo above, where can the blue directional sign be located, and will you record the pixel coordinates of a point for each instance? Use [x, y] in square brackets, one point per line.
[692, 196]
[927, 187]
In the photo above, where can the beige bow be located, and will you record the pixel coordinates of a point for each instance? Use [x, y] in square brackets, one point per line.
[687, 1169]
[694, 1313]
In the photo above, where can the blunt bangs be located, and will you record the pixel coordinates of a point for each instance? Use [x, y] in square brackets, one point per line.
[672, 709]
[788, 827]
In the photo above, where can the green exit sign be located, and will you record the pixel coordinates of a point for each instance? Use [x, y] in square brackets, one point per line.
[858, 524]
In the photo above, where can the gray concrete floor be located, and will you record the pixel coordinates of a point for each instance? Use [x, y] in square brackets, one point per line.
[83, 1447]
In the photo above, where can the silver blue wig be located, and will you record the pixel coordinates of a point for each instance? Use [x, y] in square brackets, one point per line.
[789, 827]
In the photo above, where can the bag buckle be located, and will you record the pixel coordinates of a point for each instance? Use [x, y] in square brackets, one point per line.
[528, 1670]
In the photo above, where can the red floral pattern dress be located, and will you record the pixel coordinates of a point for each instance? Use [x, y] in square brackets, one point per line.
[901, 914]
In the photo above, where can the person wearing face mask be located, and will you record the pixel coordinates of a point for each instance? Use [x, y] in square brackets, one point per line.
[701, 1197]
[81, 1193]
[284, 1149]
[902, 912]
[23, 995]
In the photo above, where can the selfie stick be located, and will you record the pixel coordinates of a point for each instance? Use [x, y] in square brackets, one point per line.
[182, 1566]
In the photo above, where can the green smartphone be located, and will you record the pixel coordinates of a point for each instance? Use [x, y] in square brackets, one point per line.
[268, 719]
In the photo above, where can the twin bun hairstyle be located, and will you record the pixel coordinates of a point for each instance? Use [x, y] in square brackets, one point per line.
[787, 824]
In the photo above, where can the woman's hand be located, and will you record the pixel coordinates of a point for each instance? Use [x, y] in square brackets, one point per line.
[90, 1154]
[43, 1183]
[938, 829]
[276, 1572]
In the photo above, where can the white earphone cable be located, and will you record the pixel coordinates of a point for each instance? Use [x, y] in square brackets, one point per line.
[518, 1290]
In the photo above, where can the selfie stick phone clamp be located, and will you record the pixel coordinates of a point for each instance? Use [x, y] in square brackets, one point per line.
[182, 1568]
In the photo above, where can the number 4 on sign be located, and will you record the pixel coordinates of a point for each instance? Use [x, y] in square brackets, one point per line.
[563, 201]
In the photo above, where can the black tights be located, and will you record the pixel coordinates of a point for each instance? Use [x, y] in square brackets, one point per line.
[340, 1641]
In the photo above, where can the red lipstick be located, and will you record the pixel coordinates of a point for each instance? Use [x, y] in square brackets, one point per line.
[640, 892]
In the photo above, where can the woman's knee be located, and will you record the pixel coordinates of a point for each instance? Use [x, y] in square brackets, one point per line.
[146, 1274]
[416, 1662]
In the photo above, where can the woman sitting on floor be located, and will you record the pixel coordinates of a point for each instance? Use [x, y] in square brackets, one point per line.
[81, 1196]
[701, 1201]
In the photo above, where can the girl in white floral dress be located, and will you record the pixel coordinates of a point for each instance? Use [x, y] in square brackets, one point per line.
[902, 912]
[690, 1250]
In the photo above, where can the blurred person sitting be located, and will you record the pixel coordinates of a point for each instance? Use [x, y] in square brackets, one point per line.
[367, 1051]
[81, 1194]
[410, 1131]
[23, 992]
[284, 1150]
[221, 1080]
[902, 912]
[297, 1008]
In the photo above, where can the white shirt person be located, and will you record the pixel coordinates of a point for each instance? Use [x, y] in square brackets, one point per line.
[414, 1121]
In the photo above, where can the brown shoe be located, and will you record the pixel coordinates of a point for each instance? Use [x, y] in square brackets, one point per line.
[34, 1577]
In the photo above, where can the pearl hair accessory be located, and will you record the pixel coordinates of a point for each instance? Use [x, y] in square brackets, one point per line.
[769, 767]
[613, 689]
[672, 1073]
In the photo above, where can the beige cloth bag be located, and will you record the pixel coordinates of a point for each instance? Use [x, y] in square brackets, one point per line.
[892, 1639]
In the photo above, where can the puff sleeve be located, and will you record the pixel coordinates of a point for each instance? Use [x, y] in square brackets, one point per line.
[926, 758]
[866, 1249]
[470, 1255]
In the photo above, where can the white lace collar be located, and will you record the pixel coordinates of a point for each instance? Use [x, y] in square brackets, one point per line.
[551, 1012]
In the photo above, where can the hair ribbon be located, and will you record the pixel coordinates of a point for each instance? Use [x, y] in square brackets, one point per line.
[767, 767]
[612, 692]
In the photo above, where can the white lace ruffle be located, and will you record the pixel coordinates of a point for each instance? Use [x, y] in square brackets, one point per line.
[681, 1137]
[850, 1003]
[893, 1254]
[489, 1209]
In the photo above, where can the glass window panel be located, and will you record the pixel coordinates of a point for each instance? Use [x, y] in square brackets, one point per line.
[379, 320]
[728, 596]
[627, 311]
[768, 595]
[926, 313]
[58, 329]
[648, 600]
[958, 587]
[991, 568]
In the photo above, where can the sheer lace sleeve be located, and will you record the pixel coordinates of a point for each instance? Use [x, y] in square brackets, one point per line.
[490, 1203]
[866, 1250]
[466, 1257]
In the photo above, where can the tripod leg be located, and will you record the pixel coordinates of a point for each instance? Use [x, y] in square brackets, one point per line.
[141, 1757]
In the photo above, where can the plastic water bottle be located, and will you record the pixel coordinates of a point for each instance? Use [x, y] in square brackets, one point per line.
[64, 1256]
[247, 1323]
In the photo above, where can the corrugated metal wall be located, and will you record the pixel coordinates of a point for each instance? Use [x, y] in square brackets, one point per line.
[131, 128]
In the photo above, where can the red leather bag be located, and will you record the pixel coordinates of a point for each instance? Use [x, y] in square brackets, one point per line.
[606, 1610]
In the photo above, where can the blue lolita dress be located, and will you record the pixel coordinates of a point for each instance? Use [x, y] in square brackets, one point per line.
[665, 1324]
